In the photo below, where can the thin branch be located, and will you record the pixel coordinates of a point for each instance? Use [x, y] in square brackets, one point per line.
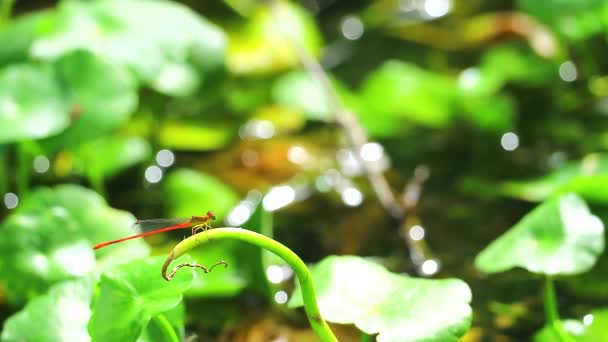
[358, 138]
[355, 133]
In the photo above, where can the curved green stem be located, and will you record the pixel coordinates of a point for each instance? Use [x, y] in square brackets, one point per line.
[551, 312]
[318, 324]
[164, 325]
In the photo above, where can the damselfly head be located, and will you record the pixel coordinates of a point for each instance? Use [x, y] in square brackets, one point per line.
[211, 215]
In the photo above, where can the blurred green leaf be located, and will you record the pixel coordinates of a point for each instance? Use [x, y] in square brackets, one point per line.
[398, 308]
[560, 236]
[49, 237]
[298, 90]
[489, 113]
[194, 193]
[243, 7]
[194, 135]
[582, 332]
[285, 120]
[102, 96]
[587, 177]
[513, 63]
[17, 38]
[61, 314]
[266, 43]
[400, 92]
[31, 104]
[130, 294]
[179, 44]
[107, 156]
[573, 19]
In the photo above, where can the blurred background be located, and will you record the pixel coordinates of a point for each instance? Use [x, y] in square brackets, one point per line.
[411, 131]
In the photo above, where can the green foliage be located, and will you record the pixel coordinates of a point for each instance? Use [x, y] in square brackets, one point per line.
[37, 100]
[573, 19]
[189, 192]
[396, 307]
[62, 314]
[49, 238]
[31, 104]
[582, 332]
[512, 63]
[178, 44]
[399, 92]
[261, 46]
[108, 156]
[101, 96]
[195, 136]
[587, 177]
[90, 90]
[132, 293]
[403, 94]
[560, 236]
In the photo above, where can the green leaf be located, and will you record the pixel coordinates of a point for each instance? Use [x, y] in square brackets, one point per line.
[130, 294]
[17, 37]
[398, 308]
[284, 119]
[560, 236]
[592, 331]
[489, 113]
[102, 96]
[266, 43]
[573, 19]
[49, 236]
[31, 104]
[107, 156]
[176, 46]
[587, 177]
[60, 315]
[398, 92]
[298, 90]
[195, 135]
[513, 63]
[194, 193]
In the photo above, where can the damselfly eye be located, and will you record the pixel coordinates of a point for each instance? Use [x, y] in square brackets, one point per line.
[211, 215]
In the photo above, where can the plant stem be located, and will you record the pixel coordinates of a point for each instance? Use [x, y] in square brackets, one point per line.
[365, 337]
[356, 134]
[551, 312]
[164, 325]
[3, 170]
[318, 324]
[23, 168]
